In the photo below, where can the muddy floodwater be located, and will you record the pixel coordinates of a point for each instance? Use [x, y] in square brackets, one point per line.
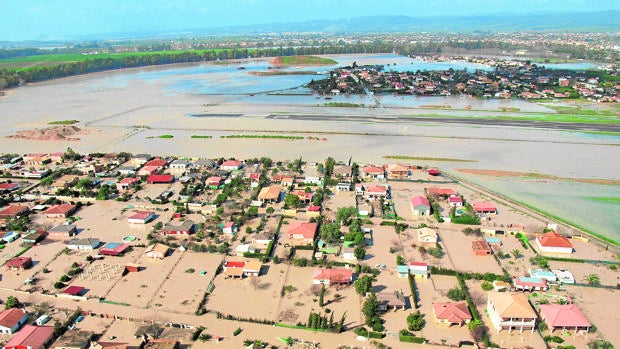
[128, 110]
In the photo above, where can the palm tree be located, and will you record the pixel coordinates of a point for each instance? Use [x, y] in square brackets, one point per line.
[592, 279]
[516, 253]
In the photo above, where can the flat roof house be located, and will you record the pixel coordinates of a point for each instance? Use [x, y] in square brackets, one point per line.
[74, 339]
[185, 227]
[553, 242]
[11, 319]
[31, 337]
[270, 193]
[62, 232]
[524, 283]
[510, 311]
[86, 244]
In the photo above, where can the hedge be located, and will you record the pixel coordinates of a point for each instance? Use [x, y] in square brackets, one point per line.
[411, 339]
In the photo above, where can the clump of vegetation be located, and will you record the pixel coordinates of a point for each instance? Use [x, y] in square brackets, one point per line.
[63, 122]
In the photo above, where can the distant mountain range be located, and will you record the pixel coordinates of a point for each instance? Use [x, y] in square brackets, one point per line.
[607, 21]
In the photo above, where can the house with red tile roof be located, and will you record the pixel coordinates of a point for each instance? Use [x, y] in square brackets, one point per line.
[564, 317]
[160, 178]
[60, 211]
[420, 206]
[141, 217]
[437, 192]
[9, 187]
[481, 248]
[455, 201]
[552, 242]
[332, 276]
[301, 231]
[157, 162]
[303, 196]
[372, 172]
[18, 263]
[127, 183]
[374, 192]
[452, 313]
[11, 319]
[231, 165]
[13, 211]
[148, 170]
[482, 208]
[31, 337]
[419, 269]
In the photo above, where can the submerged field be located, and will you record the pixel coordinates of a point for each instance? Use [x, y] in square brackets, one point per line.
[151, 110]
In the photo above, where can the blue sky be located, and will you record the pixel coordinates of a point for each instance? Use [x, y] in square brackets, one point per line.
[60, 19]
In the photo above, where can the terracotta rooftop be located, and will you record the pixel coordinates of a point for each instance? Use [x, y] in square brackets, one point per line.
[10, 317]
[563, 315]
[512, 305]
[419, 201]
[553, 239]
[302, 228]
[453, 312]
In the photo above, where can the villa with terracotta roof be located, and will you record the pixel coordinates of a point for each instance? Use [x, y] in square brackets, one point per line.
[420, 206]
[564, 317]
[510, 311]
[553, 242]
[372, 172]
[332, 276]
[303, 232]
[397, 171]
[483, 208]
[270, 193]
[239, 269]
[31, 337]
[11, 319]
[452, 313]
[9, 187]
[374, 192]
[148, 170]
[60, 211]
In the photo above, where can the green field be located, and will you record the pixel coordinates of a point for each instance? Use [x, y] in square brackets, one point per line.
[264, 136]
[424, 158]
[607, 200]
[307, 60]
[199, 136]
[345, 105]
[63, 122]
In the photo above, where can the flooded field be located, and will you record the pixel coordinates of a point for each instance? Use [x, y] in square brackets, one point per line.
[128, 110]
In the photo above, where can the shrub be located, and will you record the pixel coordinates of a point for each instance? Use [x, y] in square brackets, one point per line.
[486, 285]
[237, 331]
[456, 294]
[416, 321]
[64, 278]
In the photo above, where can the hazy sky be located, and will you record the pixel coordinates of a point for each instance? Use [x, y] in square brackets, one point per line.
[59, 19]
